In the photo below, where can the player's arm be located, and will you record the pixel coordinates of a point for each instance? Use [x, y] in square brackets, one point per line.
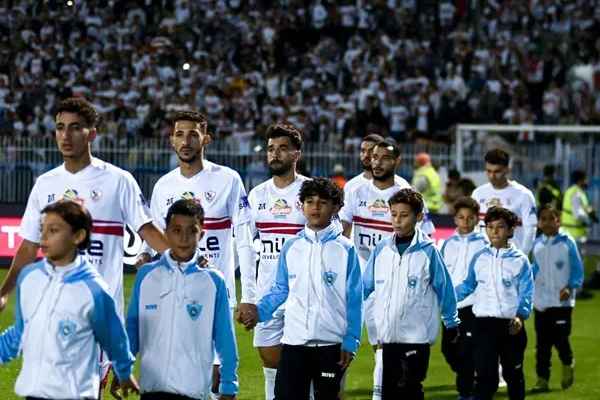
[154, 237]
[26, 254]
[469, 285]
[10, 339]
[529, 218]
[525, 289]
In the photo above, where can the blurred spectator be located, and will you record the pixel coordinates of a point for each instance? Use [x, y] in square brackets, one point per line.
[427, 181]
[453, 190]
[338, 176]
[548, 190]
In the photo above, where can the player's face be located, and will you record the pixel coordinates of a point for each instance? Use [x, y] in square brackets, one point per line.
[58, 241]
[498, 232]
[188, 139]
[404, 219]
[465, 220]
[183, 234]
[496, 174]
[548, 223]
[281, 156]
[318, 212]
[366, 152]
[73, 138]
[383, 163]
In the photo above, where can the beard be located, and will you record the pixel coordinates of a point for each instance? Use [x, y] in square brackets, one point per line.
[366, 165]
[383, 177]
[189, 159]
[278, 168]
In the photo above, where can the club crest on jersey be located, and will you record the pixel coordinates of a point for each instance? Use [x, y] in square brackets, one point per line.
[95, 194]
[507, 282]
[298, 205]
[66, 328]
[329, 277]
[194, 310]
[378, 207]
[72, 195]
[493, 202]
[280, 208]
[209, 196]
[560, 264]
[412, 282]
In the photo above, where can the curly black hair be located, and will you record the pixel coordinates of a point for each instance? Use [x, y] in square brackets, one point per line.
[324, 188]
[496, 213]
[81, 107]
[466, 202]
[497, 157]
[408, 196]
[285, 129]
[188, 115]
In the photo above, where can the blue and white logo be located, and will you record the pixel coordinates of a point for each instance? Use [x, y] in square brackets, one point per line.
[66, 328]
[507, 282]
[194, 310]
[560, 264]
[412, 282]
[329, 277]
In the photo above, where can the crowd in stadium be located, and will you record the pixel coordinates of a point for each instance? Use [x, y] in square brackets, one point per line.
[335, 69]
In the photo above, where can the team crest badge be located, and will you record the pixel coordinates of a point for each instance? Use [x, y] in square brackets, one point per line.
[280, 208]
[194, 310]
[507, 282]
[494, 202]
[329, 277]
[209, 196]
[412, 282]
[95, 195]
[560, 264]
[66, 328]
[379, 207]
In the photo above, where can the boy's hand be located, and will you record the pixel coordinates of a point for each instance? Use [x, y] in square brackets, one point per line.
[565, 294]
[143, 258]
[345, 359]
[125, 386]
[248, 315]
[516, 324]
[453, 334]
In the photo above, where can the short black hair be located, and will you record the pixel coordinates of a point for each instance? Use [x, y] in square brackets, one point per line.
[550, 208]
[390, 145]
[187, 207]
[373, 137]
[453, 174]
[285, 129]
[496, 213]
[81, 107]
[322, 187]
[74, 214]
[466, 202]
[549, 170]
[497, 157]
[408, 196]
[578, 175]
[187, 115]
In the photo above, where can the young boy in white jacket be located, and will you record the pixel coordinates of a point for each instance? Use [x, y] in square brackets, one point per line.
[319, 276]
[457, 251]
[179, 314]
[411, 285]
[501, 280]
[558, 273]
[65, 316]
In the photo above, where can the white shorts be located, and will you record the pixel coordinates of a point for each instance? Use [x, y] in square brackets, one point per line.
[269, 333]
[369, 319]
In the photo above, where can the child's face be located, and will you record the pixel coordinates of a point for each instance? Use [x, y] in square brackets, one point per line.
[318, 212]
[465, 220]
[183, 234]
[498, 232]
[404, 219]
[58, 241]
[548, 223]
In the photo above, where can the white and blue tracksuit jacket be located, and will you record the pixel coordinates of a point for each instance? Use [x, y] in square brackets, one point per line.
[458, 251]
[556, 265]
[62, 315]
[502, 283]
[178, 315]
[319, 276]
[410, 289]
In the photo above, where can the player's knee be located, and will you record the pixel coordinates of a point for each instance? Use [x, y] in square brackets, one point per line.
[269, 359]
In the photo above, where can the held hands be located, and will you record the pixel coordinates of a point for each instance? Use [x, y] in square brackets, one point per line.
[345, 359]
[247, 314]
[515, 326]
[124, 387]
[143, 258]
[453, 334]
[565, 294]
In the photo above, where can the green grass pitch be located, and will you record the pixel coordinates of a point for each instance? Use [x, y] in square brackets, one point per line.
[440, 381]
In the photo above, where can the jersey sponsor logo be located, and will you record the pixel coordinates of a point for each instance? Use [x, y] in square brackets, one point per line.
[194, 310]
[51, 198]
[262, 206]
[493, 202]
[212, 244]
[378, 208]
[362, 203]
[151, 307]
[95, 194]
[72, 195]
[209, 196]
[272, 248]
[66, 328]
[94, 252]
[280, 208]
[244, 203]
[298, 205]
[188, 196]
[329, 277]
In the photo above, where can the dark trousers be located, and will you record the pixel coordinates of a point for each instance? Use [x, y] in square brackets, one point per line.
[460, 355]
[404, 369]
[163, 396]
[552, 328]
[299, 365]
[492, 341]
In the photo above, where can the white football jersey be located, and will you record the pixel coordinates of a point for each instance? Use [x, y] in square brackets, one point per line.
[516, 198]
[277, 216]
[113, 198]
[221, 193]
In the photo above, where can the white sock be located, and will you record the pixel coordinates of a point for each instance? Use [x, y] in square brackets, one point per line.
[214, 396]
[378, 375]
[269, 382]
[311, 393]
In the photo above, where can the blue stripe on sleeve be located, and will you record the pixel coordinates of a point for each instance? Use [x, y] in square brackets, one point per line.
[133, 331]
[525, 288]
[469, 285]
[354, 294]
[442, 286]
[224, 337]
[576, 272]
[109, 331]
[368, 277]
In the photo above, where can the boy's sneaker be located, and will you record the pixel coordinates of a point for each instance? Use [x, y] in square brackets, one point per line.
[540, 386]
[568, 376]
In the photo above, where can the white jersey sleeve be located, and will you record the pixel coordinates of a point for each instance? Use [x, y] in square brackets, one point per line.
[347, 211]
[529, 220]
[239, 207]
[134, 207]
[31, 222]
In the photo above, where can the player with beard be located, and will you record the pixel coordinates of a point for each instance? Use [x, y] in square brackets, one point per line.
[366, 150]
[277, 216]
[366, 217]
[221, 193]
